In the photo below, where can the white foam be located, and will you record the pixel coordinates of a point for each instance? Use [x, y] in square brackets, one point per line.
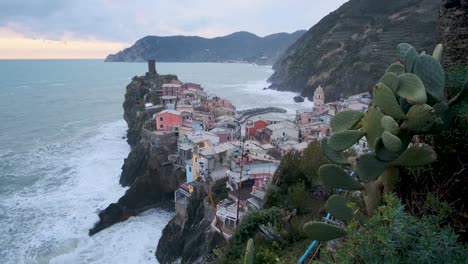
[49, 220]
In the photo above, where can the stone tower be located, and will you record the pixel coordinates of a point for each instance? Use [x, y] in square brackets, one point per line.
[319, 98]
[152, 66]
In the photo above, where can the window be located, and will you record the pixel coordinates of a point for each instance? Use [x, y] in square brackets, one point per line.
[161, 126]
[190, 169]
[161, 118]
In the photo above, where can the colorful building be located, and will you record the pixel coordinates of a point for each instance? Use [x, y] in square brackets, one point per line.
[168, 120]
[252, 128]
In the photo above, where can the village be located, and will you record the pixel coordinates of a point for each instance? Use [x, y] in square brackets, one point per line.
[217, 143]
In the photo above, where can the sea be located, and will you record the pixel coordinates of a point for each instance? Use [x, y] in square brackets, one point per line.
[62, 146]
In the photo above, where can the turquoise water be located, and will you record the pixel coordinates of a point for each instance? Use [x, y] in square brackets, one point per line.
[61, 150]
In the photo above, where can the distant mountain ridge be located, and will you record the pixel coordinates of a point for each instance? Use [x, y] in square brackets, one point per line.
[349, 49]
[237, 47]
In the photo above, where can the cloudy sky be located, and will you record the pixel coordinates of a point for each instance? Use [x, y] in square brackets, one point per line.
[92, 29]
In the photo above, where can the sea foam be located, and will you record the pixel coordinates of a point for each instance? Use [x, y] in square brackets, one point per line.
[47, 221]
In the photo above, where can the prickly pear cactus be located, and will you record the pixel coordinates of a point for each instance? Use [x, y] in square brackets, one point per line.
[249, 256]
[408, 100]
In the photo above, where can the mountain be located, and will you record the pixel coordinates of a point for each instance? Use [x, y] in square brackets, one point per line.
[349, 49]
[240, 46]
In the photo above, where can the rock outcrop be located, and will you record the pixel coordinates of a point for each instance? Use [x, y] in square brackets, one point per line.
[347, 51]
[453, 32]
[189, 238]
[151, 177]
[236, 47]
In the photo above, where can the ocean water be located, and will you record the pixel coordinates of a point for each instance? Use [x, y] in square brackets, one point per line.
[62, 147]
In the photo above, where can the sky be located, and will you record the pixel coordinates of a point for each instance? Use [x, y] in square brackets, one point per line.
[59, 29]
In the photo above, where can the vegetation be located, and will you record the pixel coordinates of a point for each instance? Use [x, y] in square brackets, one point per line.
[296, 175]
[402, 203]
[409, 100]
[394, 236]
[219, 191]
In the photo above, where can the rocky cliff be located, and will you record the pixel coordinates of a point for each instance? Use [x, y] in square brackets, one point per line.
[189, 238]
[347, 51]
[236, 47]
[151, 178]
[453, 32]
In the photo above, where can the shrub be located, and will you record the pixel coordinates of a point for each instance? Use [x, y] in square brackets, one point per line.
[394, 236]
[296, 196]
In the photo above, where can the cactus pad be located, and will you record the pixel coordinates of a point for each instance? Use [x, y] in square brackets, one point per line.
[403, 49]
[411, 88]
[369, 167]
[389, 124]
[390, 79]
[385, 100]
[249, 256]
[438, 52]
[334, 156]
[343, 140]
[432, 75]
[416, 156]
[372, 125]
[412, 57]
[396, 68]
[421, 119]
[345, 120]
[323, 232]
[391, 142]
[382, 153]
[334, 176]
[337, 206]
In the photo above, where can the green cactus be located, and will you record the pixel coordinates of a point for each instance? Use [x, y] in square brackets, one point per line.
[382, 153]
[323, 232]
[409, 100]
[403, 49]
[416, 156]
[343, 140]
[391, 142]
[337, 206]
[249, 256]
[396, 68]
[389, 124]
[385, 100]
[421, 119]
[372, 125]
[334, 156]
[345, 120]
[411, 88]
[334, 176]
[369, 167]
[411, 59]
[390, 79]
[429, 70]
[438, 52]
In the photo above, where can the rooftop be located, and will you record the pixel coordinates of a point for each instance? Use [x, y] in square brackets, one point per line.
[172, 85]
[170, 111]
[282, 125]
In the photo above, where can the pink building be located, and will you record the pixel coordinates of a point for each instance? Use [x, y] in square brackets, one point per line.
[167, 120]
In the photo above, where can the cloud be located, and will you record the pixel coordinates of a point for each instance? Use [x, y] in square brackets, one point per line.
[127, 21]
